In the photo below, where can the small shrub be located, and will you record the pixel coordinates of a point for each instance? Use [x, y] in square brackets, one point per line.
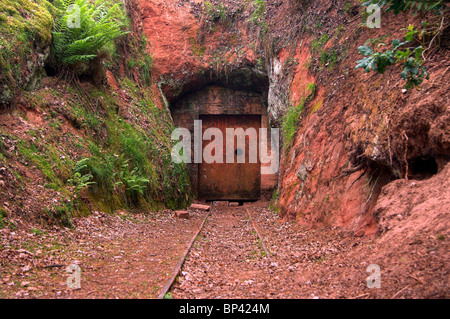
[318, 43]
[311, 87]
[80, 182]
[61, 214]
[411, 59]
[214, 13]
[76, 45]
[258, 16]
[328, 59]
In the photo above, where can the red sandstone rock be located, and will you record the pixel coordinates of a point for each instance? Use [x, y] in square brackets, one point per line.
[182, 214]
[205, 208]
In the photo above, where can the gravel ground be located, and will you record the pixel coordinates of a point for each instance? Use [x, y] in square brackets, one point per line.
[228, 261]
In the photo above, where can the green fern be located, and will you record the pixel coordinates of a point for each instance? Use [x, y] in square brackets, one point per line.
[99, 24]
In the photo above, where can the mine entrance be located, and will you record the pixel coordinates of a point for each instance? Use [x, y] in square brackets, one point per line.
[236, 180]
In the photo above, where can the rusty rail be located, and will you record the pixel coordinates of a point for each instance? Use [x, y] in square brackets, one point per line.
[259, 235]
[182, 259]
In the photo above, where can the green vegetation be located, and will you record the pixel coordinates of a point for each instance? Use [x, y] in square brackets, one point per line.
[418, 40]
[78, 181]
[139, 61]
[317, 44]
[114, 163]
[37, 231]
[214, 13]
[47, 159]
[258, 17]
[328, 59]
[411, 59]
[3, 216]
[131, 164]
[274, 202]
[290, 123]
[168, 296]
[61, 214]
[25, 32]
[347, 7]
[90, 37]
[291, 118]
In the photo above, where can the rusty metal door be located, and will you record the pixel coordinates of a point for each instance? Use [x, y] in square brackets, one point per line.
[231, 181]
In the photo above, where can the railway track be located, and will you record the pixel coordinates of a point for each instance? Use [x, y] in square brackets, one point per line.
[227, 254]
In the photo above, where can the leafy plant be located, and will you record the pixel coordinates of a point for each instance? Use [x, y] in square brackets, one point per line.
[260, 11]
[78, 40]
[214, 13]
[132, 182]
[291, 119]
[411, 59]
[168, 296]
[80, 181]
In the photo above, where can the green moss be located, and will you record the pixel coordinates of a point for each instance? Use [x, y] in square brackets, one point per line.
[197, 49]
[318, 43]
[316, 107]
[25, 29]
[27, 19]
[131, 164]
[61, 214]
[290, 123]
[328, 59]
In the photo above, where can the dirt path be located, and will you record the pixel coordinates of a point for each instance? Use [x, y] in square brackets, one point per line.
[123, 256]
[227, 261]
[134, 255]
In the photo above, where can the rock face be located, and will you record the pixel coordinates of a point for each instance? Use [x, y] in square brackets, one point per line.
[424, 208]
[25, 46]
[357, 131]
[188, 55]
